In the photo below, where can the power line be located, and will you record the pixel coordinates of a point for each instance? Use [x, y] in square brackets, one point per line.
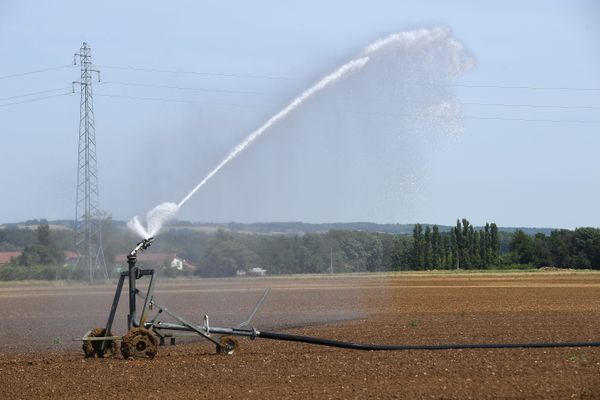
[583, 121]
[192, 88]
[265, 106]
[484, 86]
[270, 77]
[531, 106]
[181, 101]
[37, 71]
[542, 106]
[171, 71]
[33, 93]
[349, 111]
[578, 121]
[35, 99]
[527, 87]
[148, 85]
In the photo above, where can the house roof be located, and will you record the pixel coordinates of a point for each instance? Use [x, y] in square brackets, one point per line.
[6, 256]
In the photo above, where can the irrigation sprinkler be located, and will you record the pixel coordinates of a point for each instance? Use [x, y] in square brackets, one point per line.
[144, 335]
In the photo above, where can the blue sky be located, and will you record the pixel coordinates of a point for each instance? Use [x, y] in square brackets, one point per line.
[512, 164]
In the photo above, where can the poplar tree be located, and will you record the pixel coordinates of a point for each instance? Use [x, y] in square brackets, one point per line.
[465, 245]
[487, 245]
[448, 258]
[494, 243]
[427, 250]
[436, 247]
[458, 243]
[417, 256]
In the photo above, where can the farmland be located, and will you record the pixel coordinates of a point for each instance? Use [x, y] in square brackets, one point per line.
[38, 358]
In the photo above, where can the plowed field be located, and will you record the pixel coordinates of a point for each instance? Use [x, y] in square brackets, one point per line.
[39, 359]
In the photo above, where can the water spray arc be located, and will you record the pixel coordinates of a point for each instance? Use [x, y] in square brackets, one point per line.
[322, 84]
[409, 41]
[88, 235]
[166, 211]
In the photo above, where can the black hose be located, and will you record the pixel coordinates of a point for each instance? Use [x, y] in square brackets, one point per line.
[454, 346]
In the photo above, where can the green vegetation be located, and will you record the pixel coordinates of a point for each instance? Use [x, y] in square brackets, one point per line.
[563, 248]
[39, 260]
[224, 252]
[462, 247]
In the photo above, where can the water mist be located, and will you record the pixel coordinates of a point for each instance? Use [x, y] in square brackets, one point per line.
[396, 45]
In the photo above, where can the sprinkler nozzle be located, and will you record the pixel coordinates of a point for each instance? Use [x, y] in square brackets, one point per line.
[143, 245]
[147, 242]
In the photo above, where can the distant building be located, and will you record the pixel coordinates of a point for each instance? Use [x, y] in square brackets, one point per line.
[71, 258]
[257, 271]
[6, 256]
[158, 260]
[177, 263]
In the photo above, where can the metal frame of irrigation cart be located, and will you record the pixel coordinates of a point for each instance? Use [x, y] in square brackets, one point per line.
[144, 335]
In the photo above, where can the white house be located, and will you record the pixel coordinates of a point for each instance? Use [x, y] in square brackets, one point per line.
[177, 263]
[257, 271]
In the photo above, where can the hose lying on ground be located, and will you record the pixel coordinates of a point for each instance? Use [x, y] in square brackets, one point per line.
[454, 346]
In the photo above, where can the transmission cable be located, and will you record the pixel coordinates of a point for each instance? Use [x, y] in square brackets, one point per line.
[350, 111]
[578, 107]
[526, 87]
[180, 101]
[483, 86]
[37, 71]
[149, 85]
[170, 71]
[33, 93]
[35, 99]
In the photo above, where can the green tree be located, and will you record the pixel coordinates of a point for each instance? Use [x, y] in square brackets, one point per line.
[586, 248]
[427, 248]
[418, 258]
[559, 245]
[522, 248]
[486, 255]
[494, 244]
[436, 248]
[43, 234]
[449, 254]
[226, 255]
[44, 252]
[457, 244]
[465, 244]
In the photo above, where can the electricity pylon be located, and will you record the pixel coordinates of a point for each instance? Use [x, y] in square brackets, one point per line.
[88, 232]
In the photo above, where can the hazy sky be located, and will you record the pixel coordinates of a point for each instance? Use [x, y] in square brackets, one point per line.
[525, 155]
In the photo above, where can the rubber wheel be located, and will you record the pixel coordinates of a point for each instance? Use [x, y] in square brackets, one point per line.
[93, 348]
[227, 346]
[139, 343]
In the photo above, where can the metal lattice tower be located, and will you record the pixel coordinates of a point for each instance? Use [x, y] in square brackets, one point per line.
[88, 236]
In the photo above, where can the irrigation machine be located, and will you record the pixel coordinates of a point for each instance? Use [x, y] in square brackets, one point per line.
[145, 334]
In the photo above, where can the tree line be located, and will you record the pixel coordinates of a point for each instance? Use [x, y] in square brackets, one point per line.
[579, 248]
[462, 247]
[224, 253]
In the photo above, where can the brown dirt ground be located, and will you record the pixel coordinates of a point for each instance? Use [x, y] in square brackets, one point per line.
[38, 359]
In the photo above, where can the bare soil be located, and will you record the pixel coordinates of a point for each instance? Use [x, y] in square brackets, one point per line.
[38, 359]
